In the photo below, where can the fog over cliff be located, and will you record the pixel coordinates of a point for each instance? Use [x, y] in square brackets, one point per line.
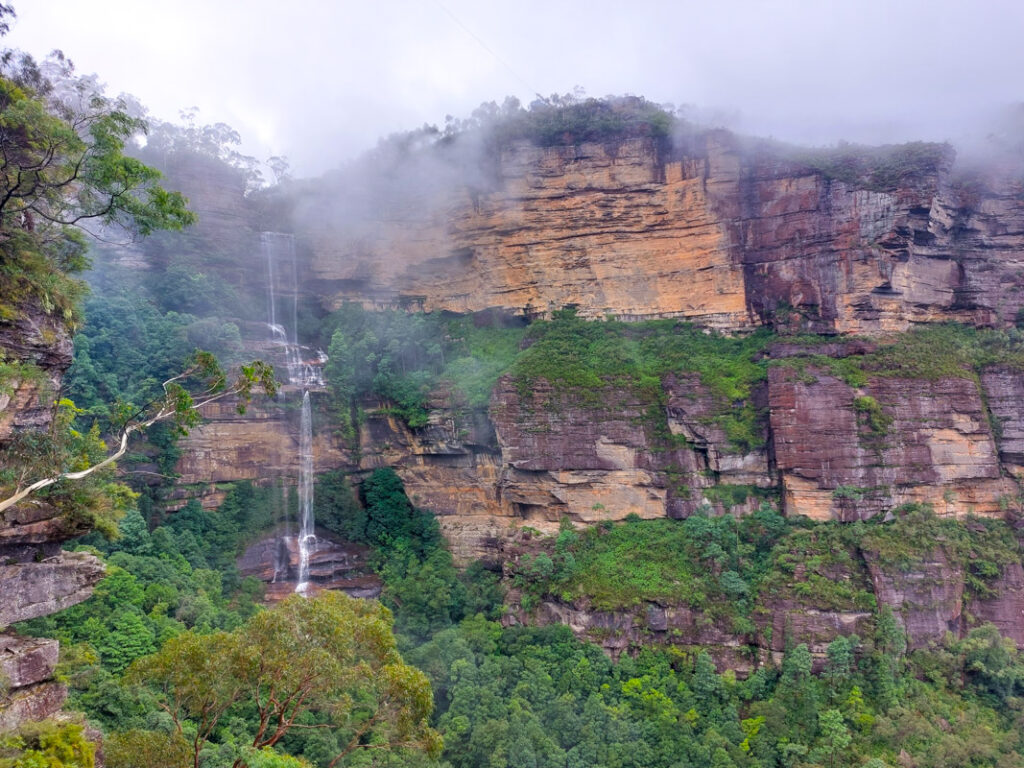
[321, 81]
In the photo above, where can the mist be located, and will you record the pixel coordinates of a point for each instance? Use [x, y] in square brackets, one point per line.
[321, 82]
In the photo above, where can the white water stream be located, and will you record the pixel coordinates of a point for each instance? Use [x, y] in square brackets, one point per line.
[307, 537]
[279, 251]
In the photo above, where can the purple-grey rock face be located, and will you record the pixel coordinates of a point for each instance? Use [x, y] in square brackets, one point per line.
[27, 665]
[931, 441]
[1004, 388]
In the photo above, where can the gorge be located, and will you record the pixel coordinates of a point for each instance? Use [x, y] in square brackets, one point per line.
[672, 389]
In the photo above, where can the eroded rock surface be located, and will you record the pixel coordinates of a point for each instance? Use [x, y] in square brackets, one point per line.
[39, 589]
[711, 228]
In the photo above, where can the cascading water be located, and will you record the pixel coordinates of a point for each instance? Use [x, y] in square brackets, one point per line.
[281, 556]
[307, 538]
[304, 367]
[279, 251]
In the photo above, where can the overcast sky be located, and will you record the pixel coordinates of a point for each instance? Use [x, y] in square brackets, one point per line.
[321, 80]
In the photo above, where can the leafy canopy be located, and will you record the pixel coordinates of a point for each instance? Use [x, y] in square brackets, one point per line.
[63, 168]
[329, 660]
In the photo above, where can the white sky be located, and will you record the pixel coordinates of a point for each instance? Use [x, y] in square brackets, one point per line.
[321, 80]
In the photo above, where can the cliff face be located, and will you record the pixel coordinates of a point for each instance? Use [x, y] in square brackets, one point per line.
[544, 455]
[729, 236]
[618, 452]
[927, 593]
[931, 442]
[261, 444]
[36, 577]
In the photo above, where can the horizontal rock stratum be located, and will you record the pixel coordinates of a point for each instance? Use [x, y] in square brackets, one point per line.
[728, 233]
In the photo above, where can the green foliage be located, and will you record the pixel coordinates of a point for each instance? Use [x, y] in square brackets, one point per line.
[876, 419]
[731, 495]
[583, 357]
[328, 661]
[47, 744]
[394, 355]
[422, 585]
[478, 350]
[883, 168]
[128, 347]
[95, 501]
[853, 492]
[566, 119]
[336, 507]
[571, 119]
[540, 693]
[64, 163]
[14, 373]
[153, 749]
[980, 548]
[401, 357]
[391, 520]
[730, 569]
[706, 563]
[992, 664]
[158, 584]
[928, 354]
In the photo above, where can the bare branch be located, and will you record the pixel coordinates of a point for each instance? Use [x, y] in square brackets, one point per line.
[165, 411]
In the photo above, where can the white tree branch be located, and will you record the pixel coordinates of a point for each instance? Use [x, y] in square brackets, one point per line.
[165, 412]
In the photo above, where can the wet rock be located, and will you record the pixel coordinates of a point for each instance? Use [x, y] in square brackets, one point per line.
[333, 564]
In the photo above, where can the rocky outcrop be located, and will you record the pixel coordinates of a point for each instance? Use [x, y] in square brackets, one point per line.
[39, 589]
[36, 577]
[333, 564]
[651, 624]
[725, 232]
[27, 689]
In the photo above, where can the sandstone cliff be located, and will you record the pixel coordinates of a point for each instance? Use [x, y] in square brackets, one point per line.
[727, 233]
[731, 235]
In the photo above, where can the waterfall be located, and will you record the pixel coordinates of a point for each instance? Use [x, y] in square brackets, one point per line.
[303, 366]
[305, 370]
[307, 538]
[280, 513]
